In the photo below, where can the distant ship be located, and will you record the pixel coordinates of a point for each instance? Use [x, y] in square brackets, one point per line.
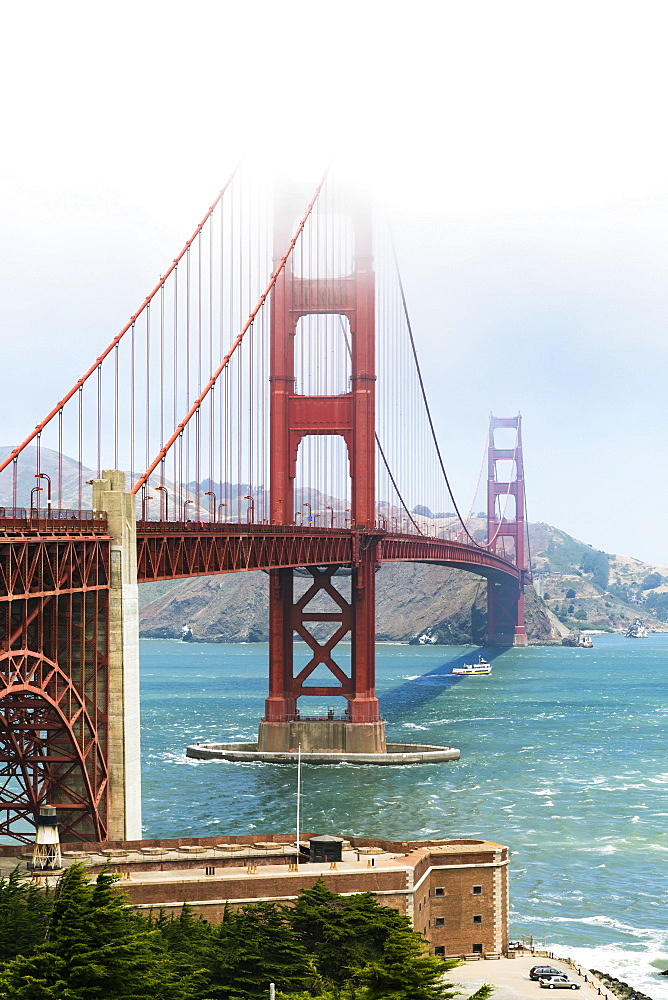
[473, 669]
[637, 630]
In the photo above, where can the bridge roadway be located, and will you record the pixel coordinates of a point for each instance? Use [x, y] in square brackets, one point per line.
[173, 550]
[44, 556]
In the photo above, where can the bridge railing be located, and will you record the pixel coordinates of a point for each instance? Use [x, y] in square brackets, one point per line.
[234, 527]
[65, 519]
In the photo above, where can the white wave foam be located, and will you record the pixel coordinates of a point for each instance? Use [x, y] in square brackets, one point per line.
[632, 967]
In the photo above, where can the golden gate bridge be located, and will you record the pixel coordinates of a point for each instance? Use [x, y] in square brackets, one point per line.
[268, 404]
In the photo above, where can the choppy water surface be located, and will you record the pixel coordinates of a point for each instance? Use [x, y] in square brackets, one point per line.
[564, 758]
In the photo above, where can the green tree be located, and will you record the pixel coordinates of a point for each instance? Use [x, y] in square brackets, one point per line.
[651, 581]
[24, 913]
[96, 948]
[254, 947]
[598, 564]
[570, 594]
[404, 972]
[187, 939]
[581, 615]
[343, 933]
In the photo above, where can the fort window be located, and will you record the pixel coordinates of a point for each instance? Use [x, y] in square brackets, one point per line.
[477, 918]
[439, 890]
[439, 951]
[476, 949]
[439, 921]
[476, 890]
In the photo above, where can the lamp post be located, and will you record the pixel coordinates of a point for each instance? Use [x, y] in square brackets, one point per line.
[43, 475]
[250, 512]
[34, 490]
[331, 515]
[163, 489]
[144, 501]
[185, 511]
[393, 518]
[299, 513]
[212, 505]
[220, 507]
[310, 512]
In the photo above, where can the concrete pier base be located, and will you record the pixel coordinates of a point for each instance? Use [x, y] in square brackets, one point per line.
[322, 736]
[396, 753]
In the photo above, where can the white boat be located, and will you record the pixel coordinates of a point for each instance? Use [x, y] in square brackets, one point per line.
[483, 666]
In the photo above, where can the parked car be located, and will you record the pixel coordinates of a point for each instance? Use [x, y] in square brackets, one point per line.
[558, 983]
[544, 972]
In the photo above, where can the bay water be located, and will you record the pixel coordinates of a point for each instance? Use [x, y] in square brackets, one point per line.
[564, 758]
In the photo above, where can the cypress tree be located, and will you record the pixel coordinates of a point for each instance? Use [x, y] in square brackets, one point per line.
[343, 933]
[404, 972]
[96, 949]
[254, 947]
[24, 913]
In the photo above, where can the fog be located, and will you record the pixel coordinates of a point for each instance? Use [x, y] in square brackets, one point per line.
[519, 150]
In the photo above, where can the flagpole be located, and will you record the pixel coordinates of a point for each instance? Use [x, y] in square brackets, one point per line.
[299, 793]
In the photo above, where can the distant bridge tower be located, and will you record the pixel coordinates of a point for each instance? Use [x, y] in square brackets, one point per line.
[506, 521]
[350, 415]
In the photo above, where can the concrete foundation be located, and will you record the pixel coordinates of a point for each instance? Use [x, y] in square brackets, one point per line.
[396, 753]
[123, 696]
[322, 736]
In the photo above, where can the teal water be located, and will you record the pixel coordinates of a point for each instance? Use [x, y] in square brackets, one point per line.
[564, 759]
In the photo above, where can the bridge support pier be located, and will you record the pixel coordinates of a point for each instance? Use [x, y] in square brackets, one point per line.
[124, 748]
[361, 730]
[505, 614]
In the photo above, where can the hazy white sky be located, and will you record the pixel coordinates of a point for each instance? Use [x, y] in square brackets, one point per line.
[521, 150]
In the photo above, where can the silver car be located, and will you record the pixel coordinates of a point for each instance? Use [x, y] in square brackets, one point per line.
[559, 983]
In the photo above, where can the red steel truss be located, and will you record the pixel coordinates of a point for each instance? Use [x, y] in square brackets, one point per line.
[168, 550]
[54, 638]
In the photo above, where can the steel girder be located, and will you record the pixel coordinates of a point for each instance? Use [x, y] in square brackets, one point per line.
[54, 638]
[168, 551]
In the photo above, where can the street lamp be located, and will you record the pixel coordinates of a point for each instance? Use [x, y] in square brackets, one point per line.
[43, 475]
[163, 489]
[34, 490]
[185, 512]
[212, 505]
[299, 513]
[393, 518]
[220, 507]
[250, 512]
[310, 512]
[331, 515]
[144, 501]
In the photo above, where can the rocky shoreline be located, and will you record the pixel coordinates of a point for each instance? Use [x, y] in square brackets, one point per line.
[620, 989]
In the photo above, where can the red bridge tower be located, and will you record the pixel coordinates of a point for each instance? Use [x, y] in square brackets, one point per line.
[506, 520]
[352, 416]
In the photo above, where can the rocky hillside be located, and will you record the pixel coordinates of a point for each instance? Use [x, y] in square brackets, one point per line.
[413, 600]
[587, 588]
[580, 588]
